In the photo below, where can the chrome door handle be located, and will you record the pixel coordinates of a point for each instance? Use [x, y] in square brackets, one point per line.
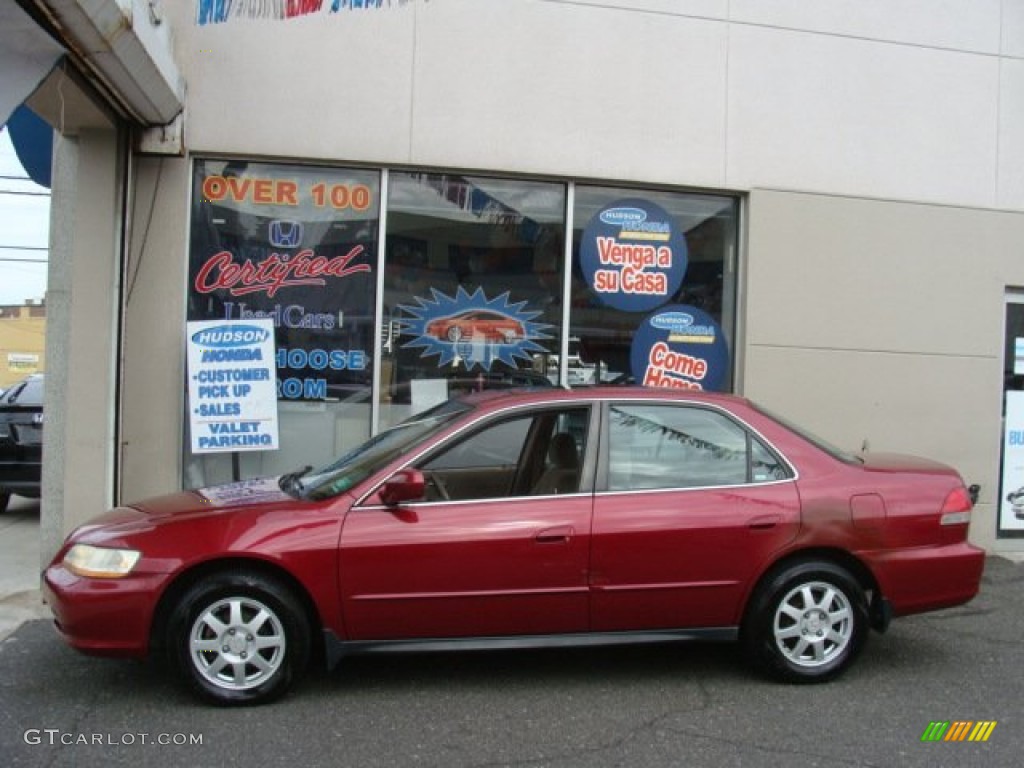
[558, 535]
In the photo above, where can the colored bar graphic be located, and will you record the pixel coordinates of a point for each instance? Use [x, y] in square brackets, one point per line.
[982, 730]
[958, 730]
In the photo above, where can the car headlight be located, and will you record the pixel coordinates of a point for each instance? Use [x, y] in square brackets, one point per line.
[100, 562]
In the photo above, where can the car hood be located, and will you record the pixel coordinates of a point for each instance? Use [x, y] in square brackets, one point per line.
[250, 495]
[246, 493]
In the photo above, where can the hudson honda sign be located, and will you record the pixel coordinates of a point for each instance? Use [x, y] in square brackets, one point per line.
[231, 386]
[680, 347]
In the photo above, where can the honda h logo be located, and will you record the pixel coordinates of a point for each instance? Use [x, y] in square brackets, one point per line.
[37, 418]
[285, 234]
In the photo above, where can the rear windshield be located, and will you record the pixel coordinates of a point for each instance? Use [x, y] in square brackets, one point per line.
[810, 437]
[26, 392]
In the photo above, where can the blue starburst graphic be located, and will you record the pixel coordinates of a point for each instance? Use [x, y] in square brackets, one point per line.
[471, 329]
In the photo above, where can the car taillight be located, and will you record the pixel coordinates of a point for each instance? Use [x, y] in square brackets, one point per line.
[956, 510]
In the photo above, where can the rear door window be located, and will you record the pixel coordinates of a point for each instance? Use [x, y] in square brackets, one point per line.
[681, 446]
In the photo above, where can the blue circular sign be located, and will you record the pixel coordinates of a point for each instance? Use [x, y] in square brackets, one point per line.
[682, 347]
[633, 255]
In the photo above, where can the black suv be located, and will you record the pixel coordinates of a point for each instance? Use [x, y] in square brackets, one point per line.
[21, 439]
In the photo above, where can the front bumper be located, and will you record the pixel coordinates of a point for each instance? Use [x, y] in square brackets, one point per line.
[928, 578]
[102, 617]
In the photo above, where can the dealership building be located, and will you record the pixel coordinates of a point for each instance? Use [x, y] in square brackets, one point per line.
[817, 205]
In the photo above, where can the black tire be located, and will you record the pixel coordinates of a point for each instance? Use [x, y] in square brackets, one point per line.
[239, 638]
[5, 499]
[806, 623]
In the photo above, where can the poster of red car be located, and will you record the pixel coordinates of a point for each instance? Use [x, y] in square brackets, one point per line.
[477, 323]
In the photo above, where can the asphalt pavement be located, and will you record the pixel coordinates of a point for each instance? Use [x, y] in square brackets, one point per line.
[667, 705]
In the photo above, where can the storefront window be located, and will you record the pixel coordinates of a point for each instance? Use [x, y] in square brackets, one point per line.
[472, 287]
[298, 245]
[469, 294]
[652, 288]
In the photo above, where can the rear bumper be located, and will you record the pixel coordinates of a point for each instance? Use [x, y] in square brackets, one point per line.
[22, 478]
[928, 578]
[102, 617]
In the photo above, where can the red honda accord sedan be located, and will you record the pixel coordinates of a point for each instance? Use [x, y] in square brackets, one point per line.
[527, 519]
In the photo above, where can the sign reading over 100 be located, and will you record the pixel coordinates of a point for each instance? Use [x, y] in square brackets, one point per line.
[270, 191]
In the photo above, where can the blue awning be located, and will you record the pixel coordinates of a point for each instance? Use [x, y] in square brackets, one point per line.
[32, 138]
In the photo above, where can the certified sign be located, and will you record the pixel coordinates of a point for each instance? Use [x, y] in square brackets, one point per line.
[232, 388]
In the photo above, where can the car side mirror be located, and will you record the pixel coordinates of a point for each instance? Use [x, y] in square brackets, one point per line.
[404, 485]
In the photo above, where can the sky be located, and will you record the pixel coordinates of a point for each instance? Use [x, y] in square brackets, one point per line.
[24, 223]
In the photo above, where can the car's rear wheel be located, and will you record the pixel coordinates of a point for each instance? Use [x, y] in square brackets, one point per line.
[5, 499]
[239, 638]
[807, 623]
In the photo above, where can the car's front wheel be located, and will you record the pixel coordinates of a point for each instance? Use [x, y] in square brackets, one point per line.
[239, 638]
[5, 499]
[807, 622]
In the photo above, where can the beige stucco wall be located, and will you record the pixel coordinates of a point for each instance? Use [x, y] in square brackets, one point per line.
[880, 323]
[153, 375]
[911, 100]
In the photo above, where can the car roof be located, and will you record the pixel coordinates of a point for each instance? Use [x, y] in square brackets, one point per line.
[500, 398]
[20, 389]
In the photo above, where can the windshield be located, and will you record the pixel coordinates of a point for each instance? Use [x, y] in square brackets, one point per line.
[827, 447]
[361, 462]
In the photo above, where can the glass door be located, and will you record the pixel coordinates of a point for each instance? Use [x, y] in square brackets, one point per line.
[1011, 486]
